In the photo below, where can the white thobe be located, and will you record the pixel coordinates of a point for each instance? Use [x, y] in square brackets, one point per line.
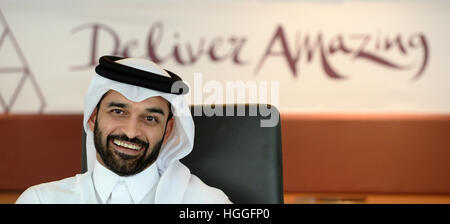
[100, 186]
[136, 189]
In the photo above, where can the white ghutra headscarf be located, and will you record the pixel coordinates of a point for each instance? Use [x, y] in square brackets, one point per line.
[175, 177]
[180, 141]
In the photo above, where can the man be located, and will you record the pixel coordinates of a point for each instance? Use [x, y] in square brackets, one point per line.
[138, 126]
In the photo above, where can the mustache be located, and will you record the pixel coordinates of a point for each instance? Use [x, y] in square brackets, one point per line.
[134, 140]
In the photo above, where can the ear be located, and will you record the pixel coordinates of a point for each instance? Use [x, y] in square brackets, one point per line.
[92, 119]
[169, 129]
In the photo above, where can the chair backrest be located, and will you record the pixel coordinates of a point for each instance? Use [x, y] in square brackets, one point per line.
[235, 154]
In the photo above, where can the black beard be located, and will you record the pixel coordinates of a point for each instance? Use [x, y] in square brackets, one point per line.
[127, 165]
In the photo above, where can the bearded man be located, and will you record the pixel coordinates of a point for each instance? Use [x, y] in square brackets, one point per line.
[138, 126]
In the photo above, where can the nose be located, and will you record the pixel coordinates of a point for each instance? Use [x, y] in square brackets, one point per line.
[130, 128]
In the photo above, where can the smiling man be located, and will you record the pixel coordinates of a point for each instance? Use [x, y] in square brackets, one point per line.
[138, 126]
[122, 142]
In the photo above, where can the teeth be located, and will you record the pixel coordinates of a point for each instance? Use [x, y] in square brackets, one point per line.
[126, 145]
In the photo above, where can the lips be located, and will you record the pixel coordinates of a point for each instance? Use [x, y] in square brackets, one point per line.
[127, 145]
[126, 150]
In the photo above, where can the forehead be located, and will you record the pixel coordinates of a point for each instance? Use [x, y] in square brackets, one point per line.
[114, 96]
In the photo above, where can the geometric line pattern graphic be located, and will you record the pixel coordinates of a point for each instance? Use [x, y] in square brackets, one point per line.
[22, 70]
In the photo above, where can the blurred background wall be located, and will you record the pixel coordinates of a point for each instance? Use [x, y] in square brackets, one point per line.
[362, 86]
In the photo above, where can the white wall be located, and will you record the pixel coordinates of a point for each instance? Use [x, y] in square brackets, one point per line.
[258, 41]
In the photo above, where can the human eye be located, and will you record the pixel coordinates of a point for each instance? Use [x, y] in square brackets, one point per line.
[151, 119]
[116, 111]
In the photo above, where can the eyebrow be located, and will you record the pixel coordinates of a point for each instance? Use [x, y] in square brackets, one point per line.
[155, 110]
[149, 110]
[121, 105]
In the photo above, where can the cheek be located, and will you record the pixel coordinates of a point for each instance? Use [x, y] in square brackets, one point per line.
[106, 127]
[154, 135]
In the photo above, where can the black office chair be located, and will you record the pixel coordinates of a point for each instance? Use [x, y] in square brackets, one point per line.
[236, 155]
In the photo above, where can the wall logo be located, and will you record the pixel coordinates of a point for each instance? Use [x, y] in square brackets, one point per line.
[377, 49]
[15, 72]
[358, 46]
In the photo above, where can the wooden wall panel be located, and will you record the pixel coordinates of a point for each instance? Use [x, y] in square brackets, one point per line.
[36, 149]
[321, 153]
[366, 153]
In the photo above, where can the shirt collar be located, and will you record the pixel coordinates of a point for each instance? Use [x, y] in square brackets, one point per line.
[139, 184]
